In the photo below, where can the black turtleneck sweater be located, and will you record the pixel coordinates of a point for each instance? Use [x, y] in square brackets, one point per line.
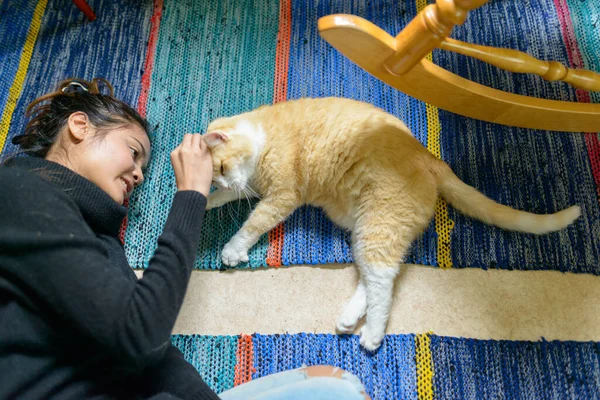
[75, 322]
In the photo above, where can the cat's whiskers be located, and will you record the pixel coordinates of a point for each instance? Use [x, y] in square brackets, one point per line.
[252, 192]
[239, 190]
[247, 190]
[230, 212]
[235, 185]
[247, 195]
[230, 209]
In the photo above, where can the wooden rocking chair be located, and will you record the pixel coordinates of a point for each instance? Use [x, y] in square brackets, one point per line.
[400, 63]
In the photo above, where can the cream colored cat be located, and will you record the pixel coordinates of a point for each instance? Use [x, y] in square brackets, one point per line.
[369, 174]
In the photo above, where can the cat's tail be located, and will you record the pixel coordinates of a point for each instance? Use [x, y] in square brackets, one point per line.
[472, 203]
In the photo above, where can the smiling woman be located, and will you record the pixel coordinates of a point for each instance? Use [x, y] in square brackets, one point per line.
[66, 286]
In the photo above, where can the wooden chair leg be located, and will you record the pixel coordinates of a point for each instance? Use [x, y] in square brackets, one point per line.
[85, 9]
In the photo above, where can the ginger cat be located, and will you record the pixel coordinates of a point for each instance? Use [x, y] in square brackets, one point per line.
[367, 172]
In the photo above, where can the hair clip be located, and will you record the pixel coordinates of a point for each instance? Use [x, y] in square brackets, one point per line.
[74, 87]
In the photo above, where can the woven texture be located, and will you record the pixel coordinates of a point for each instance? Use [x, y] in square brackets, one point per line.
[209, 63]
[388, 374]
[583, 53]
[424, 367]
[19, 28]
[68, 46]
[411, 366]
[15, 20]
[486, 369]
[185, 63]
[213, 356]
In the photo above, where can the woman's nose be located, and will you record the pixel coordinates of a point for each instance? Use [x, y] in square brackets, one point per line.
[138, 178]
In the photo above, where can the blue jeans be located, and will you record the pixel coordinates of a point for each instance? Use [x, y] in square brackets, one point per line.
[299, 384]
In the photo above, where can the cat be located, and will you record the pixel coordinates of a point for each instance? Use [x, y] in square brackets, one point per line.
[364, 168]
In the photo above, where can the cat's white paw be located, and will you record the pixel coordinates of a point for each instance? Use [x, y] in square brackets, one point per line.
[349, 318]
[370, 340]
[353, 312]
[346, 324]
[234, 254]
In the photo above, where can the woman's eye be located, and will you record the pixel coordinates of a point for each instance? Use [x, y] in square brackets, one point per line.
[134, 152]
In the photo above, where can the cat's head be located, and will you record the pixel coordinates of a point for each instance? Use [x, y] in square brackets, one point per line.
[235, 150]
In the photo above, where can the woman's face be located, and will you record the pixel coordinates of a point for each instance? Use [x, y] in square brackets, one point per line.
[116, 161]
[113, 158]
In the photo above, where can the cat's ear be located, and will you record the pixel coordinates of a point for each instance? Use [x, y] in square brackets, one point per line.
[214, 138]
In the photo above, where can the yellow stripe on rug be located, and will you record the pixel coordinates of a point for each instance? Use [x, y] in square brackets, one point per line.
[443, 223]
[424, 367]
[17, 85]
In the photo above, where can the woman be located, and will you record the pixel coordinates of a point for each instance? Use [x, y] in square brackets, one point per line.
[75, 321]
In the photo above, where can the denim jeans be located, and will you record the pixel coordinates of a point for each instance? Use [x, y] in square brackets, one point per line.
[297, 385]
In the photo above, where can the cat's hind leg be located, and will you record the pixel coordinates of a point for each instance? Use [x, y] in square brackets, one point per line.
[379, 280]
[380, 244]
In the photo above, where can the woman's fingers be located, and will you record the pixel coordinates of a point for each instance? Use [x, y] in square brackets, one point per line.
[196, 140]
[192, 163]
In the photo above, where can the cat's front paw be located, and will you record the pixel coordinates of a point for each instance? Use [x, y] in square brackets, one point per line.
[233, 254]
[353, 312]
[370, 340]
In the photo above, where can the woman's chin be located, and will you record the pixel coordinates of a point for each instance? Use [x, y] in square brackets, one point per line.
[120, 198]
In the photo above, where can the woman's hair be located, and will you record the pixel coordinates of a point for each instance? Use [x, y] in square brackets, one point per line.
[50, 113]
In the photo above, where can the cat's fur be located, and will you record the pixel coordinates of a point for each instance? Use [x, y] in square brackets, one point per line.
[369, 174]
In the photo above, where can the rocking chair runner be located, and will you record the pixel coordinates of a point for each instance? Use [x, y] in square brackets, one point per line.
[400, 63]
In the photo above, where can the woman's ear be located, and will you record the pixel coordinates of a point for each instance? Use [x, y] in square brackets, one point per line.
[79, 126]
[214, 138]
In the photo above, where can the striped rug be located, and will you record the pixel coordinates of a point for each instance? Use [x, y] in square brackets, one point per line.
[408, 366]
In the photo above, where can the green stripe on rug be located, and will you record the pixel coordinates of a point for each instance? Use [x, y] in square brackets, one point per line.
[213, 59]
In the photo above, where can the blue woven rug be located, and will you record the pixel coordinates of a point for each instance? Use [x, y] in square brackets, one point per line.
[409, 366]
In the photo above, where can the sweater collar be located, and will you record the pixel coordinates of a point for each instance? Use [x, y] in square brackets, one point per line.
[100, 211]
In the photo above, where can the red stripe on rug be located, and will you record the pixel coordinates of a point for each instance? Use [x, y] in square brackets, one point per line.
[150, 53]
[146, 80]
[282, 57]
[576, 60]
[244, 366]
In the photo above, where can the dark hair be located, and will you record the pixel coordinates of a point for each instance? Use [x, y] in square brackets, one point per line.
[72, 95]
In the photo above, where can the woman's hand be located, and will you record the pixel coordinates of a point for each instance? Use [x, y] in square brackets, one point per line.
[192, 163]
